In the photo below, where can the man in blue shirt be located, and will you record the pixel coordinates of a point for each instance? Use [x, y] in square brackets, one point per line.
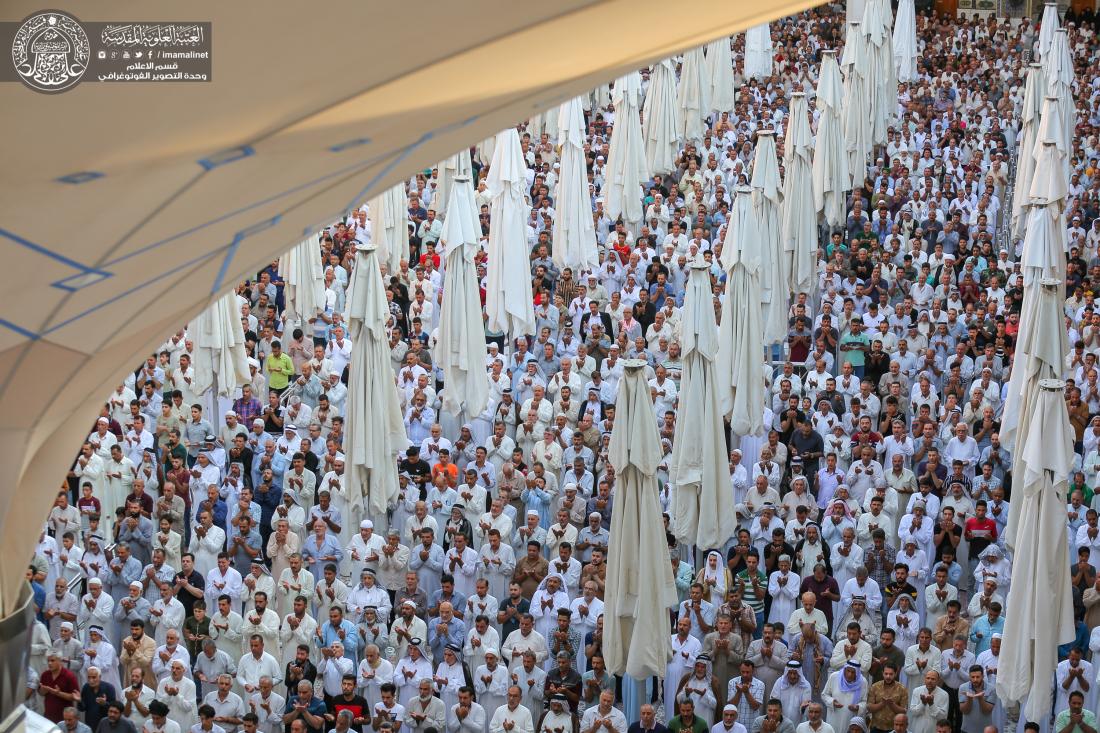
[981, 633]
[338, 628]
[307, 707]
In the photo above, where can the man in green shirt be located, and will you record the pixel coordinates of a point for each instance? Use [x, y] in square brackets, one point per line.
[1075, 719]
[279, 368]
[687, 720]
[854, 346]
[753, 585]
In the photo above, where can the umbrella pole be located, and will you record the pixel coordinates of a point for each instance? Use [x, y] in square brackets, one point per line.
[634, 696]
[215, 411]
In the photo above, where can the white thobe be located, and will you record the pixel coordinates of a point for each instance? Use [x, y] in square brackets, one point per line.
[684, 652]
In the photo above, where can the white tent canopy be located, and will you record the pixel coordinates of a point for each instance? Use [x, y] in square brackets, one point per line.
[461, 348]
[220, 361]
[905, 42]
[857, 111]
[703, 511]
[574, 232]
[305, 285]
[798, 225]
[389, 217]
[1034, 89]
[1042, 437]
[767, 196]
[740, 372]
[693, 96]
[626, 169]
[661, 122]
[450, 168]
[213, 180]
[375, 428]
[1047, 28]
[640, 587]
[508, 301]
[720, 72]
[831, 178]
[1058, 67]
[758, 52]
[877, 28]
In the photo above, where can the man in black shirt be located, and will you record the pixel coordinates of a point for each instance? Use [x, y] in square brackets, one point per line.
[348, 700]
[420, 473]
[644, 311]
[190, 585]
[95, 696]
[299, 669]
[807, 444]
[564, 680]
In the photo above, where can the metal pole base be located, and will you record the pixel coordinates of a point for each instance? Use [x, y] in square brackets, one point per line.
[15, 647]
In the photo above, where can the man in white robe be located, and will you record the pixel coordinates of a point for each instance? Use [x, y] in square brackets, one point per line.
[178, 693]
[166, 614]
[685, 648]
[97, 609]
[225, 628]
[545, 602]
[261, 620]
[497, 563]
[514, 717]
[491, 681]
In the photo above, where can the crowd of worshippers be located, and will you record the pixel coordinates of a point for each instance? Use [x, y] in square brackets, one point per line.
[210, 577]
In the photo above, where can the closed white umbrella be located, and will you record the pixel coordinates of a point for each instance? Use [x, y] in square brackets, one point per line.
[1042, 257]
[798, 225]
[598, 98]
[767, 197]
[508, 301]
[640, 587]
[693, 96]
[626, 171]
[545, 123]
[661, 119]
[1034, 90]
[1058, 68]
[220, 361]
[1040, 597]
[854, 10]
[389, 217]
[485, 150]
[456, 165]
[831, 178]
[460, 352]
[720, 72]
[699, 469]
[1050, 130]
[758, 52]
[1047, 28]
[375, 431]
[304, 291]
[905, 42]
[877, 29]
[857, 111]
[740, 372]
[574, 231]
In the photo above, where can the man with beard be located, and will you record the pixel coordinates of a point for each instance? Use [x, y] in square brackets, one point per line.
[563, 680]
[513, 717]
[137, 651]
[559, 718]
[425, 712]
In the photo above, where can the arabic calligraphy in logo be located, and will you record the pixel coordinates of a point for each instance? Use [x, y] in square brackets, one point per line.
[51, 51]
